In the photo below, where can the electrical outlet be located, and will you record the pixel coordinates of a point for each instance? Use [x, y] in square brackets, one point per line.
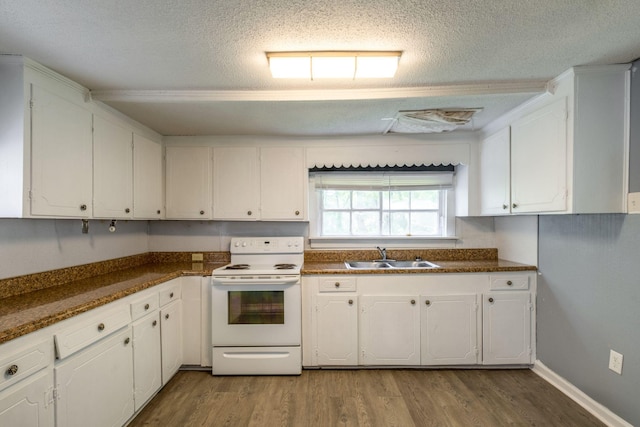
[633, 203]
[197, 257]
[615, 362]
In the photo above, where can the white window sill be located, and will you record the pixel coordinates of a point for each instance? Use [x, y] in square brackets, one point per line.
[350, 242]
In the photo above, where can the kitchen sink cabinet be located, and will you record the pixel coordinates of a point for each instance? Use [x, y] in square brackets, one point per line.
[259, 183]
[389, 330]
[188, 182]
[336, 328]
[419, 319]
[148, 200]
[449, 329]
[112, 170]
[567, 150]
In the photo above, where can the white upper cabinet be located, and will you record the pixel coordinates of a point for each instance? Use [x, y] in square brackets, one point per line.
[568, 149]
[112, 170]
[188, 182]
[495, 175]
[147, 178]
[283, 183]
[236, 183]
[60, 155]
[259, 183]
[539, 160]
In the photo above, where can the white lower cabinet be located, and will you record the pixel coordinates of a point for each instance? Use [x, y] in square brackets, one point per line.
[449, 334]
[506, 328]
[147, 363]
[28, 403]
[420, 319]
[389, 330]
[95, 385]
[171, 339]
[336, 328]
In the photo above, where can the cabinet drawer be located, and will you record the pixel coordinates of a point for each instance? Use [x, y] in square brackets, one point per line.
[91, 329]
[144, 306]
[170, 293]
[338, 284]
[24, 362]
[508, 282]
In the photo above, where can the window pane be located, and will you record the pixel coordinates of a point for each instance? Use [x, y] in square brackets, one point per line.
[336, 199]
[385, 224]
[400, 199]
[366, 223]
[425, 199]
[366, 200]
[399, 223]
[424, 223]
[336, 223]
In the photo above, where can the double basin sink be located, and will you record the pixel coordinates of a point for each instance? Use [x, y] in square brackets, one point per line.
[388, 264]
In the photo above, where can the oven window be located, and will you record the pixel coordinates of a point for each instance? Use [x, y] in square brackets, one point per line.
[256, 307]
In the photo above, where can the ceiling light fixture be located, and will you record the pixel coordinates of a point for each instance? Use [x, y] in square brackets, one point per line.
[328, 65]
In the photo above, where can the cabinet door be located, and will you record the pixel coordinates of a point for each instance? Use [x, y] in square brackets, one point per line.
[95, 386]
[236, 186]
[147, 368]
[60, 156]
[192, 320]
[171, 339]
[282, 183]
[389, 330]
[112, 170]
[188, 181]
[147, 178]
[28, 402]
[336, 327]
[539, 160]
[495, 175]
[449, 330]
[506, 328]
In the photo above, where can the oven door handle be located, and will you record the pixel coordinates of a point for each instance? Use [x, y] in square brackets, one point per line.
[225, 281]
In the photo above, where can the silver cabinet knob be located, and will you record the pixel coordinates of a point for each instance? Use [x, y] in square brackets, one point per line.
[83, 207]
[146, 306]
[127, 340]
[509, 283]
[155, 322]
[166, 316]
[413, 302]
[350, 302]
[427, 302]
[505, 207]
[101, 327]
[13, 369]
[171, 295]
[337, 285]
[158, 211]
[490, 299]
[249, 213]
[127, 210]
[297, 213]
[201, 212]
[515, 205]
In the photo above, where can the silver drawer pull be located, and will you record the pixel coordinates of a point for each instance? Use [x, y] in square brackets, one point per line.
[155, 322]
[509, 283]
[171, 295]
[350, 302]
[427, 302]
[146, 306]
[337, 285]
[166, 316]
[127, 340]
[101, 327]
[13, 369]
[490, 299]
[413, 302]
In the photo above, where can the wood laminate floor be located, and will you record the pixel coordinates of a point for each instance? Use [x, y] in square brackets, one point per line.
[398, 397]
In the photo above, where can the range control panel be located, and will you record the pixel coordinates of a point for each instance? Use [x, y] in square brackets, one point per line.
[261, 245]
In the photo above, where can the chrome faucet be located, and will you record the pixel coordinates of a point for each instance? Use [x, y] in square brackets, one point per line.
[383, 254]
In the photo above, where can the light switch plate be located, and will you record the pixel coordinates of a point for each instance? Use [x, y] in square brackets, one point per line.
[633, 203]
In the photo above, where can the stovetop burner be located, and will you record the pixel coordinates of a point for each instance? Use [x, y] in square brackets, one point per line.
[284, 266]
[237, 267]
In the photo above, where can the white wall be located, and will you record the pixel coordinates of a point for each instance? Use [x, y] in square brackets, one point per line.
[36, 245]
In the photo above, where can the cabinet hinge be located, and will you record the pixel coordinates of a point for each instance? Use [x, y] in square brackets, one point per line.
[30, 195]
[530, 307]
[31, 103]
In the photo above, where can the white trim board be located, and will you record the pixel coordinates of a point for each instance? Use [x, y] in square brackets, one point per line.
[596, 409]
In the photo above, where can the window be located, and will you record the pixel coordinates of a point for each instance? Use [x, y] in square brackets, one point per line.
[375, 204]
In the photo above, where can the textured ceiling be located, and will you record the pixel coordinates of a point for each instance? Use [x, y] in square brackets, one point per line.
[220, 46]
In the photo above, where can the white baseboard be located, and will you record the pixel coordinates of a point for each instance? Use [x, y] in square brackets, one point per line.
[595, 408]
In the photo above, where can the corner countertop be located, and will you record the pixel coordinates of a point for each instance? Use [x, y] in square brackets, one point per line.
[27, 312]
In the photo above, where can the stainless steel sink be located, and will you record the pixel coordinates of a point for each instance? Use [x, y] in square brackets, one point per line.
[375, 265]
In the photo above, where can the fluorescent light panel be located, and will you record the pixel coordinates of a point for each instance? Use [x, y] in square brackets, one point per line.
[327, 65]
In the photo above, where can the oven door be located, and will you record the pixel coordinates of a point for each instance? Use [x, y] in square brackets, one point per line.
[255, 313]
